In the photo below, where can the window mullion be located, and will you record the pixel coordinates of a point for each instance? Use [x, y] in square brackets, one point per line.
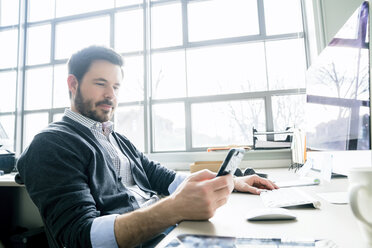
[20, 104]
[269, 116]
[261, 17]
[148, 136]
[188, 129]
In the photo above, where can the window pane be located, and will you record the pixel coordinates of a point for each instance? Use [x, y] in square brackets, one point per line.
[132, 86]
[288, 111]
[283, 16]
[166, 25]
[70, 38]
[120, 3]
[168, 127]
[222, 19]
[168, 75]
[328, 129]
[33, 124]
[129, 122]
[226, 123]
[8, 48]
[38, 45]
[226, 69]
[61, 97]
[7, 121]
[286, 64]
[58, 117]
[129, 31]
[8, 84]
[9, 12]
[40, 10]
[38, 92]
[73, 7]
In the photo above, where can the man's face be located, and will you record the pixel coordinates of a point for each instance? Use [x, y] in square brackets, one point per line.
[96, 94]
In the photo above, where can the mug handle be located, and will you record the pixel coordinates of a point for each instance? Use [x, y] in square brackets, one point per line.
[353, 198]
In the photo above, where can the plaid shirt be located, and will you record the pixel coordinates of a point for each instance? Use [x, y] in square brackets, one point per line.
[102, 132]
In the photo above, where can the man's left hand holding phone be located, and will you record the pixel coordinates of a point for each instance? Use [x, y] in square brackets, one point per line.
[203, 192]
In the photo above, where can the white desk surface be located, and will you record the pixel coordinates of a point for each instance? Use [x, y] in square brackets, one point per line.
[333, 222]
[7, 180]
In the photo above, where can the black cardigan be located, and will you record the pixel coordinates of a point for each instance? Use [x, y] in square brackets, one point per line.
[71, 179]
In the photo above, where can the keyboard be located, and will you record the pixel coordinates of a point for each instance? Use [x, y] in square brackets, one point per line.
[288, 197]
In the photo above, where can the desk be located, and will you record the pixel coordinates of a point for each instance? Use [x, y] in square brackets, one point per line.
[16, 208]
[334, 222]
[7, 180]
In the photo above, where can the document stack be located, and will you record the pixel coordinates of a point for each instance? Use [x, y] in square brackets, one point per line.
[298, 148]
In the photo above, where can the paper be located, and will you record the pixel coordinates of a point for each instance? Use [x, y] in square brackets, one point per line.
[298, 147]
[262, 144]
[195, 240]
[306, 168]
[306, 181]
[335, 197]
[327, 164]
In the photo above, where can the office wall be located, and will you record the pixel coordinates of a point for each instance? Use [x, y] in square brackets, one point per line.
[330, 16]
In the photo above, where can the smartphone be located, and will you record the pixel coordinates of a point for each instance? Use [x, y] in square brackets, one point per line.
[231, 162]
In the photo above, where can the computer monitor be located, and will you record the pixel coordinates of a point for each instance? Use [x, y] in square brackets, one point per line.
[338, 92]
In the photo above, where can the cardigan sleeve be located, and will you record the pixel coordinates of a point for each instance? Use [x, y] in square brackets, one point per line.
[56, 180]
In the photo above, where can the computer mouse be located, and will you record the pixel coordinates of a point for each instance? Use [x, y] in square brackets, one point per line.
[270, 214]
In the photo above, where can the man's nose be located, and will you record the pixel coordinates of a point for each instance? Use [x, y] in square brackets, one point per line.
[110, 93]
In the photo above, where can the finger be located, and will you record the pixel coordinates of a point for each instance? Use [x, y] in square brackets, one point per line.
[265, 183]
[202, 175]
[221, 202]
[222, 193]
[276, 186]
[253, 190]
[221, 182]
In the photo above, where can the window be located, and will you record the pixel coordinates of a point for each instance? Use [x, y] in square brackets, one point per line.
[74, 35]
[226, 19]
[190, 82]
[227, 122]
[9, 15]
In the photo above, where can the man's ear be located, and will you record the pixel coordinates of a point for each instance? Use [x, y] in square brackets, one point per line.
[72, 84]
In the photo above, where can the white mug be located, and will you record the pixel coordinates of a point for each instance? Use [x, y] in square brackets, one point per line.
[360, 196]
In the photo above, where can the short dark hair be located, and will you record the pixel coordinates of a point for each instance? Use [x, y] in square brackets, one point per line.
[80, 62]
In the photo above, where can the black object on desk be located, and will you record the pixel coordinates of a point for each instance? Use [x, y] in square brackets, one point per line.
[248, 171]
[7, 161]
[251, 171]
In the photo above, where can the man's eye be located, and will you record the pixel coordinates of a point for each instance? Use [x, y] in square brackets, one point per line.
[100, 84]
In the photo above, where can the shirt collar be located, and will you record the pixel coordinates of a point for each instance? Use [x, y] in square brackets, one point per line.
[105, 127]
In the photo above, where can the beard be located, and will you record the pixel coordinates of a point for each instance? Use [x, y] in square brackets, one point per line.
[86, 108]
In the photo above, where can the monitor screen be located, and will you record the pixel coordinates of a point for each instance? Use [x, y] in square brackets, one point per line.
[338, 90]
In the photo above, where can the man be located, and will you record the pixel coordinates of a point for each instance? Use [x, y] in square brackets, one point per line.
[93, 187]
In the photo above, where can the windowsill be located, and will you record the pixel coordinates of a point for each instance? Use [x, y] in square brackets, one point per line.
[277, 158]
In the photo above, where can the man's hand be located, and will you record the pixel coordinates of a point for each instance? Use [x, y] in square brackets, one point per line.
[198, 197]
[253, 184]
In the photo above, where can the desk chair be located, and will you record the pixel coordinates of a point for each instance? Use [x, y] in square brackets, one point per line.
[53, 243]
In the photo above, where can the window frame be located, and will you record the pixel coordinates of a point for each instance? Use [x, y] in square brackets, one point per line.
[146, 52]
